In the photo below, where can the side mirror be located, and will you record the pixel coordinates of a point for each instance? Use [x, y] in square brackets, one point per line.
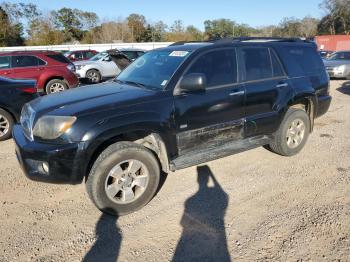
[107, 59]
[192, 83]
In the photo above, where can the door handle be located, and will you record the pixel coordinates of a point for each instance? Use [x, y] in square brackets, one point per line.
[237, 93]
[282, 85]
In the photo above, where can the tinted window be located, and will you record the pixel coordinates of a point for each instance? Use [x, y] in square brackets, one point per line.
[132, 55]
[140, 53]
[59, 58]
[276, 65]
[219, 67]
[89, 54]
[24, 61]
[306, 57]
[257, 63]
[4, 62]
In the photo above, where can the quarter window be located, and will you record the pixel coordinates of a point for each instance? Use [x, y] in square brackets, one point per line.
[257, 63]
[4, 62]
[219, 67]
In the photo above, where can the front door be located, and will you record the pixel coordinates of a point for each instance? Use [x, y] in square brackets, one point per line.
[214, 116]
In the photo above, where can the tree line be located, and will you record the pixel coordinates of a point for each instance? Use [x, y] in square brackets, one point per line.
[26, 24]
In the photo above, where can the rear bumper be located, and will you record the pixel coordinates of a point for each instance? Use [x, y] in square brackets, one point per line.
[64, 161]
[323, 105]
[72, 80]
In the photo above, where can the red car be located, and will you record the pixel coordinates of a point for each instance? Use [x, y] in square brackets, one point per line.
[80, 55]
[52, 71]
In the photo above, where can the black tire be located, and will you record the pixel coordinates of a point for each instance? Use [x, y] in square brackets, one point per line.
[109, 159]
[93, 76]
[55, 86]
[279, 144]
[6, 125]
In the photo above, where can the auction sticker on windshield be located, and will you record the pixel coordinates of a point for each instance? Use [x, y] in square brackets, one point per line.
[179, 53]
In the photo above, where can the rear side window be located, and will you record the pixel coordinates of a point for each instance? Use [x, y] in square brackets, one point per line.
[26, 61]
[219, 67]
[59, 58]
[4, 62]
[306, 57]
[257, 63]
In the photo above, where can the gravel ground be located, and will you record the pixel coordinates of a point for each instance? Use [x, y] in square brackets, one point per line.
[256, 206]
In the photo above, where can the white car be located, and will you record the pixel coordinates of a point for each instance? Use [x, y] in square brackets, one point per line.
[105, 65]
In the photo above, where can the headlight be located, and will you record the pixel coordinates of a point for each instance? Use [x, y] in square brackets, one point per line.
[78, 67]
[340, 69]
[52, 127]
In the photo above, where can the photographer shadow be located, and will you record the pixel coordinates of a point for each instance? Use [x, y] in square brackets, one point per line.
[204, 237]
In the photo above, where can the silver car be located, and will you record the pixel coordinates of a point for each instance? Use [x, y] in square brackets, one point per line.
[106, 64]
[338, 65]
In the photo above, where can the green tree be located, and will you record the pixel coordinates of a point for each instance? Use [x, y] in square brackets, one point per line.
[137, 25]
[10, 34]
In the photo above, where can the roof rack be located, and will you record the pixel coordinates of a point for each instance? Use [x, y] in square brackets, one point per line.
[259, 39]
[189, 42]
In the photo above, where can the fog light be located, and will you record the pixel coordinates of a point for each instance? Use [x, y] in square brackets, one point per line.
[45, 167]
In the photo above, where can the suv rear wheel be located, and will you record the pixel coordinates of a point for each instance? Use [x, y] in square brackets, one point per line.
[6, 124]
[293, 133]
[123, 179]
[55, 86]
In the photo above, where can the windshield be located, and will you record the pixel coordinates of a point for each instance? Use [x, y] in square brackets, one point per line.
[154, 69]
[98, 56]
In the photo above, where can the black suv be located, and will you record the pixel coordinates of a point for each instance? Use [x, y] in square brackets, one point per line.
[173, 108]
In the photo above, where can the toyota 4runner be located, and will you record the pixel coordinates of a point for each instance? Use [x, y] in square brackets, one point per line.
[173, 108]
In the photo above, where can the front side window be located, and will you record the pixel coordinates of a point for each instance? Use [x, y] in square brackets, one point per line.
[154, 69]
[89, 54]
[257, 63]
[24, 61]
[219, 67]
[4, 62]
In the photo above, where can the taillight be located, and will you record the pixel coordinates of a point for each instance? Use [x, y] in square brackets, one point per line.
[29, 90]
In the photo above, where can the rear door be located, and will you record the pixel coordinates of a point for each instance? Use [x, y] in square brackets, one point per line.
[27, 67]
[266, 84]
[214, 116]
[5, 66]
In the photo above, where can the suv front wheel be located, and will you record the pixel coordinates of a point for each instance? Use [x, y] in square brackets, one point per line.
[293, 133]
[123, 179]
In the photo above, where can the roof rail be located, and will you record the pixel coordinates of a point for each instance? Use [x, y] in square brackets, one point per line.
[189, 42]
[258, 39]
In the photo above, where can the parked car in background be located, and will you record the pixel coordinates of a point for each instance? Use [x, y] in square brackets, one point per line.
[338, 65]
[173, 108]
[132, 53]
[13, 95]
[80, 55]
[102, 66]
[52, 71]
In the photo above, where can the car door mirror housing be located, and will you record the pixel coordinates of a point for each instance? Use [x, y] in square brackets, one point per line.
[192, 83]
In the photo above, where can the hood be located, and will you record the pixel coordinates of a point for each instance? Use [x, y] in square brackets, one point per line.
[334, 63]
[85, 62]
[87, 99]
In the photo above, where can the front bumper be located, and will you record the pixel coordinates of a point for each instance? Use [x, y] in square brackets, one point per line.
[65, 162]
[80, 73]
[323, 105]
[337, 74]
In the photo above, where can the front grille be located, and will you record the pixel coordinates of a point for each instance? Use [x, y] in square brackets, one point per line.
[27, 119]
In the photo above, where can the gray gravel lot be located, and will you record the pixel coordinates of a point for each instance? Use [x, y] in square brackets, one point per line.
[257, 206]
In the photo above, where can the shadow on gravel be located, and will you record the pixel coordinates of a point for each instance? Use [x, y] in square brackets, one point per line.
[345, 88]
[108, 240]
[204, 237]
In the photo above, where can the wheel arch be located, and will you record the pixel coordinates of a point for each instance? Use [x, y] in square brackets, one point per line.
[308, 103]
